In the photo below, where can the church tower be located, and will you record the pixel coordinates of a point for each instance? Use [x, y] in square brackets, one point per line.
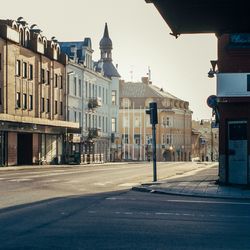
[106, 45]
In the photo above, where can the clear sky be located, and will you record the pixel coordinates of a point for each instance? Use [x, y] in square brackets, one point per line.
[140, 39]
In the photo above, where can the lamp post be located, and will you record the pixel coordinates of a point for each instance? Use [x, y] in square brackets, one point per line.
[211, 137]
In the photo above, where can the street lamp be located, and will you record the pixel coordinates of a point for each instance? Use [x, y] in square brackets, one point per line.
[211, 137]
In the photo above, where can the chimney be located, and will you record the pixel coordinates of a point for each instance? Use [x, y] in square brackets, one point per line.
[145, 80]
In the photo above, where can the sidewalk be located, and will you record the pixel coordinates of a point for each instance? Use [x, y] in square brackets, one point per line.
[200, 183]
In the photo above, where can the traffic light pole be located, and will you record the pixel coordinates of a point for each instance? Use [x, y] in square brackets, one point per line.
[152, 111]
[154, 152]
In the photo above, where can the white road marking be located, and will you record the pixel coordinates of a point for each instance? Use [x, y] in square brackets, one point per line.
[128, 184]
[210, 202]
[20, 180]
[102, 183]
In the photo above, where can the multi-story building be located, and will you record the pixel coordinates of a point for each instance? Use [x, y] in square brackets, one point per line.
[205, 140]
[93, 92]
[173, 131]
[32, 96]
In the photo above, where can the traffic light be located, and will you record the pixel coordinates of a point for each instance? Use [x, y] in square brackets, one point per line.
[152, 111]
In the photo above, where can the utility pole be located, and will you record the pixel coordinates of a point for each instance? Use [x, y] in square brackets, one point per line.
[153, 120]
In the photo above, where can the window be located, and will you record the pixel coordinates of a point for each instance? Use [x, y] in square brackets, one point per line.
[248, 82]
[125, 122]
[0, 61]
[75, 86]
[24, 101]
[43, 76]
[80, 87]
[48, 105]
[42, 104]
[106, 124]
[80, 119]
[137, 121]
[24, 70]
[125, 139]
[48, 77]
[75, 116]
[86, 89]
[90, 90]
[113, 125]
[55, 107]
[18, 68]
[56, 83]
[61, 108]
[165, 121]
[18, 100]
[30, 102]
[31, 72]
[61, 82]
[113, 98]
[137, 139]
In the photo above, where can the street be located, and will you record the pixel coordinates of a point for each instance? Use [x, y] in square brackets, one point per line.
[30, 185]
[53, 213]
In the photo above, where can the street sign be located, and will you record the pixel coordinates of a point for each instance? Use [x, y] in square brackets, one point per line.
[212, 101]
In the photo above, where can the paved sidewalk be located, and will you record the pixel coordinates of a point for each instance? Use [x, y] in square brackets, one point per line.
[200, 183]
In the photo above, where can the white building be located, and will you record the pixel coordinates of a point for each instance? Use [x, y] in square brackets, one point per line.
[92, 100]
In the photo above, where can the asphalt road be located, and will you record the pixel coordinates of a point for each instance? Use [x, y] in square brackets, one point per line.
[94, 208]
[22, 186]
[126, 220]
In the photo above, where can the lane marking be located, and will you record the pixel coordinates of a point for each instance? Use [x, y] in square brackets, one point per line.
[209, 202]
[184, 201]
[172, 214]
[128, 184]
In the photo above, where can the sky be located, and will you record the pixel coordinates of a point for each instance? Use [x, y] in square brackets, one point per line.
[140, 39]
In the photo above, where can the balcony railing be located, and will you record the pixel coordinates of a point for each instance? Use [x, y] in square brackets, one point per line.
[94, 102]
[94, 133]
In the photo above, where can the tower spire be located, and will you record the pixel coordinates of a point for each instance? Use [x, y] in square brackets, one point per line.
[106, 45]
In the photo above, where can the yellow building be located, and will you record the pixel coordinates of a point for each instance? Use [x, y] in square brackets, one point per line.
[173, 131]
[32, 96]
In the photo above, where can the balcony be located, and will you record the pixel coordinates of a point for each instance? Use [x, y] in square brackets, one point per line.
[94, 102]
[94, 133]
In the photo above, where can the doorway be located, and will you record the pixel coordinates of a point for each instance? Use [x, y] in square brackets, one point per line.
[237, 152]
[24, 149]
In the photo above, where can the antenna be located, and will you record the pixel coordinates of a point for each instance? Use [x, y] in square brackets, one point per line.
[149, 73]
[131, 73]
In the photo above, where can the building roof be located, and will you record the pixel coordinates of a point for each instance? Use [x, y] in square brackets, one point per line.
[110, 70]
[140, 90]
[204, 16]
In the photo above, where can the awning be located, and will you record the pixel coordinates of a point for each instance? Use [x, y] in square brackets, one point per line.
[205, 16]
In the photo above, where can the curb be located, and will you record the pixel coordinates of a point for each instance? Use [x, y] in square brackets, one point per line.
[198, 195]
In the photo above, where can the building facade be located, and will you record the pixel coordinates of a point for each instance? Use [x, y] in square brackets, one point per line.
[173, 131]
[92, 101]
[205, 141]
[233, 95]
[32, 96]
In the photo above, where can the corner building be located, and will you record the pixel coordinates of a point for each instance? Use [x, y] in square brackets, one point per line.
[32, 96]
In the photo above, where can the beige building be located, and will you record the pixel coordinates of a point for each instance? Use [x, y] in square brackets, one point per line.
[173, 131]
[32, 96]
[205, 141]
